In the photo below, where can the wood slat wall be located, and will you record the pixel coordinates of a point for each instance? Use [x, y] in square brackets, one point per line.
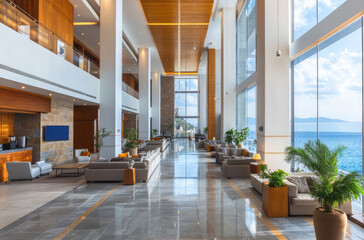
[211, 93]
[6, 126]
[23, 156]
[20, 101]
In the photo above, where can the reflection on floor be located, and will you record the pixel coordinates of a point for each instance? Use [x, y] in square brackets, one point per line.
[187, 198]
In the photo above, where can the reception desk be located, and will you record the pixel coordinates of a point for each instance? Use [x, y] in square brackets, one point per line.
[18, 154]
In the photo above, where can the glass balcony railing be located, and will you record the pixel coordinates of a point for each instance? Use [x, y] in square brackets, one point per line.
[130, 91]
[15, 18]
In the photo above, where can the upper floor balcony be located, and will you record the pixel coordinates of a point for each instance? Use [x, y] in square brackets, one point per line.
[13, 17]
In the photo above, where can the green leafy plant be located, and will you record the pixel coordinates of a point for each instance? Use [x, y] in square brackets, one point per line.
[240, 136]
[275, 178]
[229, 136]
[206, 130]
[100, 136]
[335, 189]
[131, 136]
[155, 132]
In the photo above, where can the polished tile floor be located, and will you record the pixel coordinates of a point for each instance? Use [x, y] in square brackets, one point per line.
[186, 198]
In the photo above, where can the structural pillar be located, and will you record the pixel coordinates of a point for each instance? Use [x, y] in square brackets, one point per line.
[156, 101]
[111, 34]
[273, 83]
[144, 94]
[228, 71]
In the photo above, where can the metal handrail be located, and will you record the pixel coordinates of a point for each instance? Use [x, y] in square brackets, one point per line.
[126, 88]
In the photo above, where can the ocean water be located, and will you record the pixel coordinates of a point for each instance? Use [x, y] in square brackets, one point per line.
[353, 155]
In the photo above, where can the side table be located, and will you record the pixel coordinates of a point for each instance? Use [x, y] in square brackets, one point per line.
[129, 176]
[254, 168]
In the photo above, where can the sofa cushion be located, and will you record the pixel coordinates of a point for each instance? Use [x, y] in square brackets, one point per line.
[300, 182]
[140, 165]
[312, 180]
[109, 165]
[232, 151]
[225, 151]
[117, 159]
[238, 161]
[245, 152]
[304, 199]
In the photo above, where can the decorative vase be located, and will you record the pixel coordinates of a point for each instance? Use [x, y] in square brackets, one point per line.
[240, 145]
[329, 225]
[133, 151]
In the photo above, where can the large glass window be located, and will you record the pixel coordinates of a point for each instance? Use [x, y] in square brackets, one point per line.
[328, 95]
[186, 107]
[306, 13]
[246, 41]
[246, 104]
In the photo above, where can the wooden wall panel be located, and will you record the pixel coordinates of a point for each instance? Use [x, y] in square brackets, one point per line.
[211, 93]
[20, 101]
[23, 156]
[131, 80]
[6, 126]
[85, 127]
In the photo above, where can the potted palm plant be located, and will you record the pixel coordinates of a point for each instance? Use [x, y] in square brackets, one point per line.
[333, 189]
[99, 139]
[155, 132]
[240, 136]
[131, 145]
[274, 193]
[229, 136]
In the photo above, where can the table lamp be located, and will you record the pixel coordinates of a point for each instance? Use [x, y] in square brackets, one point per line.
[257, 157]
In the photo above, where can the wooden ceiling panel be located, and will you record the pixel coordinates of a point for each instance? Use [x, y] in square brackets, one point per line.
[162, 17]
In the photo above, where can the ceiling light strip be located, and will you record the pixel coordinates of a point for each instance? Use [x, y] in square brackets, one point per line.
[178, 24]
[85, 23]
[178, 73]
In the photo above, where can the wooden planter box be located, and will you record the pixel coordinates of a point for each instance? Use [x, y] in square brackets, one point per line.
[275, 201]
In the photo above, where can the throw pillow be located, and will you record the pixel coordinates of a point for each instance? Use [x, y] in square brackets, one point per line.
[312, 180]
[123, 155]
[85, 154]
[135, 156]
[224, 150]
[233, 151]
[245, 152]
[300, 182]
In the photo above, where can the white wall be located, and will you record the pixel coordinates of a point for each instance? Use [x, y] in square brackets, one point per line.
[24, 62]
[130, 103]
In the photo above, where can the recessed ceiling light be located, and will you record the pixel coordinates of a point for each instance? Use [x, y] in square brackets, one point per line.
[78, 15]
[50, 94]
[23, 87]
[75, 5]
[84, 104]
[82, 34]
[74, 100]
[98, 43]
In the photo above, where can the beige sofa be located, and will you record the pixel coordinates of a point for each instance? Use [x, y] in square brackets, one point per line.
[113, 171]
[162, 144]
[299, 203]
[226, 153]
[237, 168]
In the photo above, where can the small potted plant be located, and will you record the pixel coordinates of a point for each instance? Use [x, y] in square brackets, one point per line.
[240, 136]
[229, 136]
[274, 193]
[332, 190]
[155, 132]
[99, 139]
[131, 145]
[171, 127]
[206, 131]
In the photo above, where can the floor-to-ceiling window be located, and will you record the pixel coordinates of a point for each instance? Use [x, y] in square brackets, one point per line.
[246, 41]
[246, 102]
[307, 13]
[186, 106]
[328, 85]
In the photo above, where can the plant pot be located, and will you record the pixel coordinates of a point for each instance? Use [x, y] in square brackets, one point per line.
[133, 151]
[329, 225]
[240, 145]
[275, 200]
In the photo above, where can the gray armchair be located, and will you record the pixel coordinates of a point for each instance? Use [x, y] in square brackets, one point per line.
[82, 159]
[22, 171]
[226, 153]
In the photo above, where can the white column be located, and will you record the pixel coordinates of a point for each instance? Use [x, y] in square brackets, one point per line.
[202, 73]
[228, 69]
[156, 101]
[273, 83]
[144, 93]
[111, 32]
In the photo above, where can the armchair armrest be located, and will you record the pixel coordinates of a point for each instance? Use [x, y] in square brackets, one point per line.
[292, 189]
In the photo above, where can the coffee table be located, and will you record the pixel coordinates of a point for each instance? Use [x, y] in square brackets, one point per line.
[69, 166]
